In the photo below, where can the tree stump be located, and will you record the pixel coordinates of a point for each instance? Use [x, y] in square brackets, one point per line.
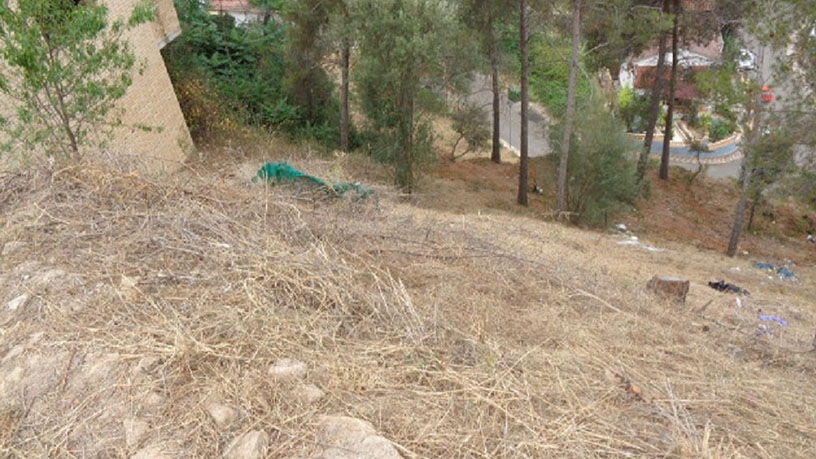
[673, 288]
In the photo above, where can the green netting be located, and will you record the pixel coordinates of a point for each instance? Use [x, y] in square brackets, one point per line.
[284, 173]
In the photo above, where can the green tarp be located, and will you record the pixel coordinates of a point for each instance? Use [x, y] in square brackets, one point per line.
[284, 173]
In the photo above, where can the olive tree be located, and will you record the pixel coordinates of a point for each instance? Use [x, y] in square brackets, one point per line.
[63, 65]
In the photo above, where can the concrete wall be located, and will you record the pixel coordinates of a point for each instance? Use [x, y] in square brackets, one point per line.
[151, 100]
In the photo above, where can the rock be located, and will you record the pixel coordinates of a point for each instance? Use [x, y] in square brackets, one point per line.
[309, 393]
[12, 247]
[54, 281]
[15, 352]
[154, 400]
[127, 282]
[151, 452]
[222, 415]
[673, 288]
[16, 303]
[288, 370]
[251, 445]
[146, 365]
[135, 431]
[350, 438]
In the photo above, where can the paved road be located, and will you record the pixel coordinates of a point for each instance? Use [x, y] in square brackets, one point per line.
[510, 126]
[510, 131]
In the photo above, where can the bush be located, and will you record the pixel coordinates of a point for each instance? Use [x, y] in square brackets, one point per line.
[549, 77]
[601, 176]
[224, 71]
[720, 129]
[633, 109]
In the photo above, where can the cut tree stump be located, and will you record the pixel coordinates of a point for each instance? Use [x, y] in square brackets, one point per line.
[673, 288]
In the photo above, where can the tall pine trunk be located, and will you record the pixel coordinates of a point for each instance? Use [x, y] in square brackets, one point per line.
[570, 117]
[495, 155]
[668, 133]
[344, 97]
[525, 70]
[739, 216]
[654, 104]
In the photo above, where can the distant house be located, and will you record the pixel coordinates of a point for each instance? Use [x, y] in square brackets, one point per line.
[639, 72]
[242, 10]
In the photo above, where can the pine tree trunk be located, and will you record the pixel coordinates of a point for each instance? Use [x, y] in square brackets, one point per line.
[524, 162]
[654, 104]
[570, 117]
[752, 212]
[495, 155]
[739, 217]
[669, 131]
[344, 97]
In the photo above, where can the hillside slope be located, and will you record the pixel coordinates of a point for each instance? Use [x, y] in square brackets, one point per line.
[476, 335]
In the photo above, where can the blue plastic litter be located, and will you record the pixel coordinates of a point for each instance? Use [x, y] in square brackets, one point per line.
[770, 318]
[765, 266]
[785, 274]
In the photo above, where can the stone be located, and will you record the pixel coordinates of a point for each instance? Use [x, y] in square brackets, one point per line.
[223, 415]
[151, 452]
[309, 393]
[351, 438]
[288, 370]
[673, 288]
[18, 302]
[127, 282]
[12, 247]
[54, 281]
[135, 431]
[146, 365]
[251, 445]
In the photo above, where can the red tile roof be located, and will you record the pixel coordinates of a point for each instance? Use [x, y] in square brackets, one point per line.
[645, 77]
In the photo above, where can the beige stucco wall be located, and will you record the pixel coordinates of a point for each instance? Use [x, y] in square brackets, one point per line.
[150, 101]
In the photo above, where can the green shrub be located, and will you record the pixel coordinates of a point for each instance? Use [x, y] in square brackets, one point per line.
[549, 77]
[601, 174]
[633, 109]
[720, 129]
[245, 69]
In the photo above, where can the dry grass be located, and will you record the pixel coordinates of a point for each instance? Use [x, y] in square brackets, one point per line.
[479, 335]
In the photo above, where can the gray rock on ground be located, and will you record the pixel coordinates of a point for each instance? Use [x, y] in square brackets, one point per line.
[288, 370]
[135, 431]
[223, 415]
[251, 445]
[12, 247]
[308, 393]
[17, 302]
[351, 438]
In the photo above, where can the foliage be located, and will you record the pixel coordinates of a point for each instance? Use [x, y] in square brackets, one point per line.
[471, 124]
[772, 159]
[246, 68]
[720, 129]
[549, 76]
[65, 66]
[410, 52]
[601, 175]
[633, 108]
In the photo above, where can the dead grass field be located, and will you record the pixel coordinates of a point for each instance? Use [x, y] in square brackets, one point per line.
[456, 334]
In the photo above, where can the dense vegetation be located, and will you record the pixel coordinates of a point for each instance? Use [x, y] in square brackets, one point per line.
[245, 68]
